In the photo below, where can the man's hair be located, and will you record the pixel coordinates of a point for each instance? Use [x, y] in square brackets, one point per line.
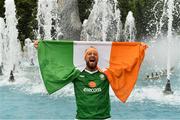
[88, 49]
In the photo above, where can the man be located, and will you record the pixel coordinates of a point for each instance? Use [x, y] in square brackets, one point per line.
[91, 89]
[91, 86]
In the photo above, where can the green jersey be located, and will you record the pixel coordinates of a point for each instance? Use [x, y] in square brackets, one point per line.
[92, 95]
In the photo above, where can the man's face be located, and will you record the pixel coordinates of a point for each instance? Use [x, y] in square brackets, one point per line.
[91, 59]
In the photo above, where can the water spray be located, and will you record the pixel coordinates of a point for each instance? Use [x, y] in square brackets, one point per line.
[130, 29]
[170, 4]
[12, 51]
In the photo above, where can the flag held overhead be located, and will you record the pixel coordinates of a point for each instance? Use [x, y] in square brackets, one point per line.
[62, 61]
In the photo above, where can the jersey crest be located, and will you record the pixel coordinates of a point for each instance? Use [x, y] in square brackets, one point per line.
[102, 76]
[92, 84]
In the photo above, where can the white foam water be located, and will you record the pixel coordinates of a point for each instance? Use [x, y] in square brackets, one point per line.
[155, 94]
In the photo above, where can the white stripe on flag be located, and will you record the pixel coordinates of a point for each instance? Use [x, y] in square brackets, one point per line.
[104, 49]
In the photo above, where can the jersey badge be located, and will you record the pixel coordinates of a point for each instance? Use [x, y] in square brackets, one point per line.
[92, 84]
[102, 76]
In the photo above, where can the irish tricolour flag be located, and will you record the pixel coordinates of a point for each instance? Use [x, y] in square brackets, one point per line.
[62, 61]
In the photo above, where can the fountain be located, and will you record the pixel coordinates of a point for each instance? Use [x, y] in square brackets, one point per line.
[170, 4]
[104, 22]
[45, 8]
[29, 52]
[58, 19]
[12, 49]
[2, 27]
[165, 43]
[130, 29]
[100, 26]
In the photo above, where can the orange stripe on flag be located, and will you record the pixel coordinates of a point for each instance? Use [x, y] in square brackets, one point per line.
[125, 61]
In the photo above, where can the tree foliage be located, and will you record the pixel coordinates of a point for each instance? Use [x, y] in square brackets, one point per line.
[26, 14]
[85, 7]
[2, 10]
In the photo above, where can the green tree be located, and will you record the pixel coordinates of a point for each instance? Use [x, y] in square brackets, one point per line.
[2, 10]
[26, 14]
[84, 8]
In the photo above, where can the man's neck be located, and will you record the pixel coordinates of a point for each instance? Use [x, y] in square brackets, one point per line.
[91, 71]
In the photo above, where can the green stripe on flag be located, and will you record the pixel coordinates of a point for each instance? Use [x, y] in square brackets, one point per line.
[56, 64]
